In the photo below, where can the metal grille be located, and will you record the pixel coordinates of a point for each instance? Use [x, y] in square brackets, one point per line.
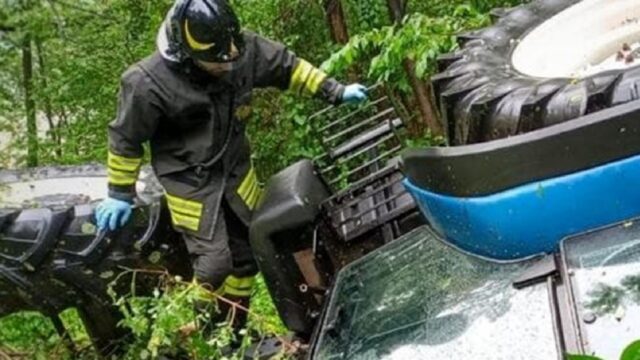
[359, 163]
[357, 142]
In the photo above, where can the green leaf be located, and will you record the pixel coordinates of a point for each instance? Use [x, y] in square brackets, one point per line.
[299, 119]
[632, 352]
[582, 357]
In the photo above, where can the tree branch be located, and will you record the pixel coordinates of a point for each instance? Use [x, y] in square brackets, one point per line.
[7, 28]
[58, 18]
[85, 10]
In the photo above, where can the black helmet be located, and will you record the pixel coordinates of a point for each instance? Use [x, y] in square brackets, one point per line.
[206, 30]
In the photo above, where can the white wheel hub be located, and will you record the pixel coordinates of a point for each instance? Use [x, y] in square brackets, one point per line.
[587, 38]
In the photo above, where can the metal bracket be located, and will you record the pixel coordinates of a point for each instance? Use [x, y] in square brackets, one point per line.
[538, 273]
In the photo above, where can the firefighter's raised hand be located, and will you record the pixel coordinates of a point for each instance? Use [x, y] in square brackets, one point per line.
[112, 214]
[355, 93]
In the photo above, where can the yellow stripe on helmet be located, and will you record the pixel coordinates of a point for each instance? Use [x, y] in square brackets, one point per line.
[193, 43]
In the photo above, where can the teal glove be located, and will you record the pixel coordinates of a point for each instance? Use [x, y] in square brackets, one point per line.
[112, 213]
[355, 93]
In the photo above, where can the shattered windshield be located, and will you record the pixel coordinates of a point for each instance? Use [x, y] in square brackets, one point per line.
[420, 299]
[604, 268]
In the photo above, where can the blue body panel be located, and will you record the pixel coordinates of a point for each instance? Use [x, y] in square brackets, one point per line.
[533, 218]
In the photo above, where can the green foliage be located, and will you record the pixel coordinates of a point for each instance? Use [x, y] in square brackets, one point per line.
[420, 38]
[31, 331]
[605, 299]
[441, 8]
[364, 16]
[290, 138]
[299, 24]
[632, 284]
[631, 352]
[80, 51]
[581, 357]
[155, 321]
[29, 335]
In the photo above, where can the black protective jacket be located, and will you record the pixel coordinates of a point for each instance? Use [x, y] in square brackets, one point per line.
[193, 123]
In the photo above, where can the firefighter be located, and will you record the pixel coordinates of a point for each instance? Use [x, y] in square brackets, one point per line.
[189, 101]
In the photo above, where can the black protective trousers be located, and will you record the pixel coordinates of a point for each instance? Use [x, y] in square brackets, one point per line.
[224, 264]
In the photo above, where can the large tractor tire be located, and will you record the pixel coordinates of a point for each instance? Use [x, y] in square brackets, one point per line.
[540, 64]
[52, 258]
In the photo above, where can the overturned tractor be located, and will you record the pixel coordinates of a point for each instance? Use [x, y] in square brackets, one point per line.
[352, 265]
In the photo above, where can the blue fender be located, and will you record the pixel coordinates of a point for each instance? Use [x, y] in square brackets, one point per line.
[531, 219]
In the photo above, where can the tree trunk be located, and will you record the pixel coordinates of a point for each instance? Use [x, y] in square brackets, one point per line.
[53, 128]
[423, 95]
[29, 103]
[337, 23]
[396, 10]
[421, 90]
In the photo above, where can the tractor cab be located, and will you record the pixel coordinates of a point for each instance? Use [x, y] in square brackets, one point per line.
[530, 250]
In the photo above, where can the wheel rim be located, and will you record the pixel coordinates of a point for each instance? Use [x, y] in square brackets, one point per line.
[587, 38]
[53, 191]
[45, 187]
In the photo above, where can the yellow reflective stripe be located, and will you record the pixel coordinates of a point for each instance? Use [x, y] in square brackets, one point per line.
[258, 196]
[236, 292]
[247, 185]
[187, 207]
[304, 81]
[124, 168]
[294, 84]
[237, 282]
[185, 221]
[300, 75]
[252, 199]
[122, 163]
[250, 193]
[120, 182]
[238, 286]
[205, 292]
[313, 85]
[250, 190]
[184, 211]
[306, 78]
[117, 177]
[246, 182]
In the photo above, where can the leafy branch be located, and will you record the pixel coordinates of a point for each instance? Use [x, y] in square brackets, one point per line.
[631, 352]
[156, 321]
[421, 38]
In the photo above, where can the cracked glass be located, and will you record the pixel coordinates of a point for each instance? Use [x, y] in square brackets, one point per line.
[604, 268]
[418, 298]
